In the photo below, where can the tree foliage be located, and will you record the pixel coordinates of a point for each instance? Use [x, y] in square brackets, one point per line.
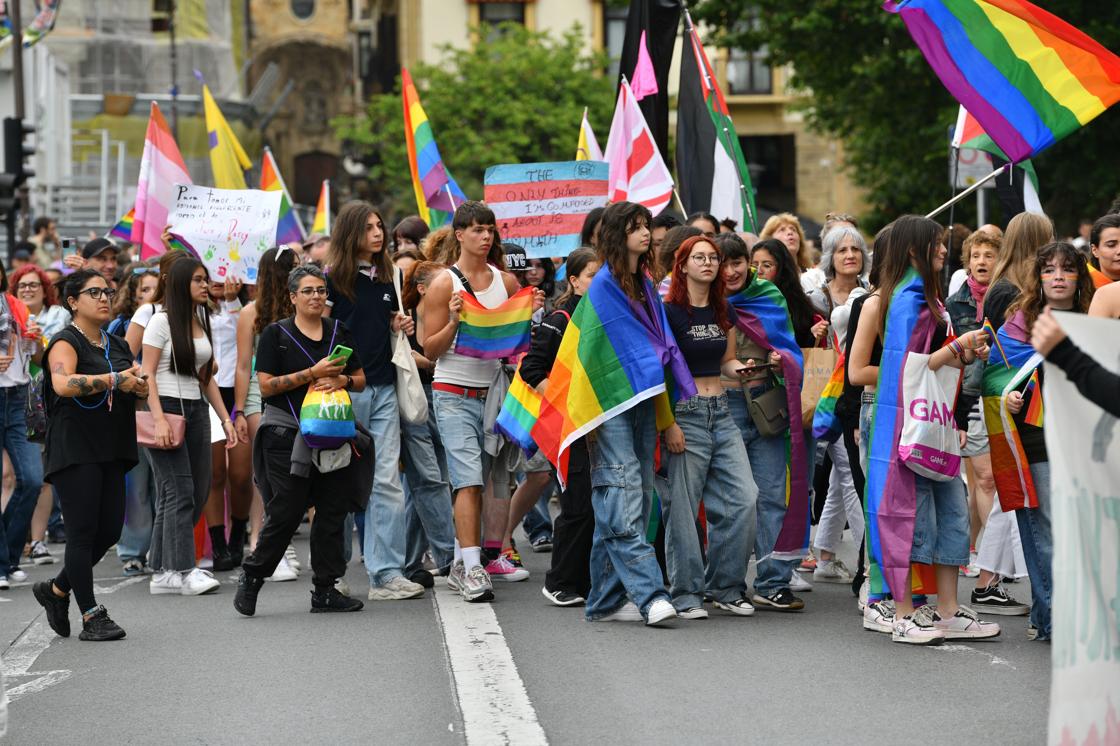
[871, 88]
[516, 96]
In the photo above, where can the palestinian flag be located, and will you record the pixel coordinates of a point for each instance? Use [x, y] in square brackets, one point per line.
[1019, 192]
[711, 171]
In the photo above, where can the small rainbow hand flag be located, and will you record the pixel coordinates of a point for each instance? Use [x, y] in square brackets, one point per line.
[1034, 413]
[492, 333]
[123, 229]
[993, 339]
[520, 410]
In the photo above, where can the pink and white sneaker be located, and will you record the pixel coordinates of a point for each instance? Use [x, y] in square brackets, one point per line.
[965, 625]
[502, 570]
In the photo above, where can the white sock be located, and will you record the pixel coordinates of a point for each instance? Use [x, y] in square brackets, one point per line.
[472, 557]
[458, 551]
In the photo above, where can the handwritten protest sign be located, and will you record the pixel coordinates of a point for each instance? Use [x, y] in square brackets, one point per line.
[542, 206]
[228, 229]
[1083, 443]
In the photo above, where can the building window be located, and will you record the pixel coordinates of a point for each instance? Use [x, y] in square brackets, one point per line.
[749, 72]
[161, 16]
[303, 9]
[495, 13]
[614, 35]
[772, 160]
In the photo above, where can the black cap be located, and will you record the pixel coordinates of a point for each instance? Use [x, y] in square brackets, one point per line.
[21, 254]
[516, 258]
[97, 246]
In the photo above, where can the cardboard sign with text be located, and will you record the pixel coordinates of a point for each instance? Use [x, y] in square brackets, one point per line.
[229, 229]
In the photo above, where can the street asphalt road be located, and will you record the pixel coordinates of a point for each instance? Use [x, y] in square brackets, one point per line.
[519, 671]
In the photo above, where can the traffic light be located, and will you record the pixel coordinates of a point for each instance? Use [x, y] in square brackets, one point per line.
[16, 151]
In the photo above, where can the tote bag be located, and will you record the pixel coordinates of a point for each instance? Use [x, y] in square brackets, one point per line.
[929, 444]
[411, 399]
[819, 364]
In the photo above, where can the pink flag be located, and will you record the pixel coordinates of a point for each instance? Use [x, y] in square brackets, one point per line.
[637, 172]
[161, 168]
[645, 79]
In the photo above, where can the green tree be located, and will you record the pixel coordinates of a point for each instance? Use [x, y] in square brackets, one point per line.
[869, 86]
[515, 96]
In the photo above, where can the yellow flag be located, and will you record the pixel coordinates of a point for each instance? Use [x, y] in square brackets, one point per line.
[588, 148]
[227, 158]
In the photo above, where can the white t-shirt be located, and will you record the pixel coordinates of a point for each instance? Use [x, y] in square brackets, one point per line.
[158, 334]
[223, 328]
[959, 277]
[144, 314]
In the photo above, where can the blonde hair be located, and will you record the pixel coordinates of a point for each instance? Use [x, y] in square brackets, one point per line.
[804, 253]
[1026, 234]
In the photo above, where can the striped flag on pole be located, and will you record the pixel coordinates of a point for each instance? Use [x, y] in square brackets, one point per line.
[161, 168]
[637, 171]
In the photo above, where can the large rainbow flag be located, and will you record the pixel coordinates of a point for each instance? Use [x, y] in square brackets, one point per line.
[762, 315]
[161, 168]
[289, 228]
[437, 194]
[614, 355]
[493, 333]
[1012, 363]
[1027, 76]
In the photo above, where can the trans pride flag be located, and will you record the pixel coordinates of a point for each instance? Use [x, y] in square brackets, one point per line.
[437, 194]
[493, 333]
[161, 168]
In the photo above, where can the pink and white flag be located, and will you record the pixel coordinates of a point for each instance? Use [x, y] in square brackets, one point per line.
[637, 171]
[161, 168]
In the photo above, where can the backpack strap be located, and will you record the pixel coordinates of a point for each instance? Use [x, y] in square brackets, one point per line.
[463, 279]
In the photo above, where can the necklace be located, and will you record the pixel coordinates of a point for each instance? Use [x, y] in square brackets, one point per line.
[99, 343]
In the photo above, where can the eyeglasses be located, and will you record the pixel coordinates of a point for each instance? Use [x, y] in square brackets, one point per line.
[308, 292]
[29, 286]
[705, 258]
[145, 271]
[99, 293]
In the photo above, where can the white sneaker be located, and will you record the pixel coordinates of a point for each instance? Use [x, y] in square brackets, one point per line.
[661, 612]
[17, 576]
[864, 590]
[283, 572]
[917, 629]
[5, 585]
[293, 558]
[199, 581]
[878, 616]
[396, 589]
[628, 612]
[696, 612]
[832, 571]
[798, 583]
[965, 625]
[166, 582]
[342, 587]
[739, 607]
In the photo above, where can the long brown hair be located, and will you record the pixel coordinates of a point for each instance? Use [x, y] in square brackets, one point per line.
[913, 242]
[348, 239]
[181, 311]
[273, 300]
[678, 286]
[419, 274]
[1032, 300]
[165, 263]
[577, 262]
[1026, 233]
[619, 221]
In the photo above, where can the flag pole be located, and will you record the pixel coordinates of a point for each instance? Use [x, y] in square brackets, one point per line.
[969, 191]
[450, 196]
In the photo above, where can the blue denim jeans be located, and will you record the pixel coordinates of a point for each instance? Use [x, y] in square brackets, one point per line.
[139, 511]
[713, 469]
[27, 462]
[623, 563]
[767, 457]
[383, 546]
[429, 522]
[1038, 549]
[459, 419]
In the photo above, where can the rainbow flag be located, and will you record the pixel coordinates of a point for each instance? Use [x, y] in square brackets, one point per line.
[1034, 414]
[825, 424]
[493, 333]
[161, 168]
[289, 228]
[520, 410]
[993, 339]
[178, 243]
[123, 228]
[763, 316]
[1009, 461]
[437, 194]
[228, 159]
[1027, 76]
[322, 221]
[1100, 279]
[614, 355]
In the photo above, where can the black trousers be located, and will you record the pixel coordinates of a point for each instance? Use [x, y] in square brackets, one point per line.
[859, 480]
[573, 529]
[92, 497]
[291, 497]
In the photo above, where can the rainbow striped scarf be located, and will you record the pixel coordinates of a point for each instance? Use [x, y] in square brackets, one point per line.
[1013, 361]
[615, 354]
[493, 333]
[763, 316]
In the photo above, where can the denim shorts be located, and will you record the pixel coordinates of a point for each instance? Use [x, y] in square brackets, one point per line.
[537, 463]
[459, 419]
[940, 522]
[253, 396]
[977, 443]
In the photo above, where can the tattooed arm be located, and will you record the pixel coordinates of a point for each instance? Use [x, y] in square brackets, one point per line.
[272, 385]
[64, 376]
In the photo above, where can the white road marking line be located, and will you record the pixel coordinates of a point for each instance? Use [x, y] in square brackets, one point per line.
[105, 590]
[492, 697]
[994, 660]
[22, 655]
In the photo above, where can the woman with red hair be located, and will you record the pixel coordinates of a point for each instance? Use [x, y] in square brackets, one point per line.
[707, 459]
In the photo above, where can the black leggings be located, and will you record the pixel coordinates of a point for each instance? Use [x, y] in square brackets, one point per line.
[92, 497]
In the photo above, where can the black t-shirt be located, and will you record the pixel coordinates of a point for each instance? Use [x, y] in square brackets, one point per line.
[700, 339]
[82, 430]
[369, 316]
[280, 353]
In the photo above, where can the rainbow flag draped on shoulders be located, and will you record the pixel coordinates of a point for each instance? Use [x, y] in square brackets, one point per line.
[615, 354]
[493, 333]
[763, 316]
[1028, 77]
[1013, 363]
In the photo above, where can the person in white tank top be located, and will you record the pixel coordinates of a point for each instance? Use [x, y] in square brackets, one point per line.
[459, 391]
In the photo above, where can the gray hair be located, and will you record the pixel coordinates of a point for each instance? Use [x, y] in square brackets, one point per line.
[299, 272]
[832, 241]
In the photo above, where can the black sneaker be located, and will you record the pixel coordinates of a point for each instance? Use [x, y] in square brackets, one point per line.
[995, 600]
[423, 577]
[58, 609]
[563, 598]
[100, 628]
[542, 544]
[781, 600]
[222, 561]
[245, 600]
[236, 554]
[332, 600]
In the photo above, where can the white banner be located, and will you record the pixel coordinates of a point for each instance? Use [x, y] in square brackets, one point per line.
[228, 229]
[1083, 443]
